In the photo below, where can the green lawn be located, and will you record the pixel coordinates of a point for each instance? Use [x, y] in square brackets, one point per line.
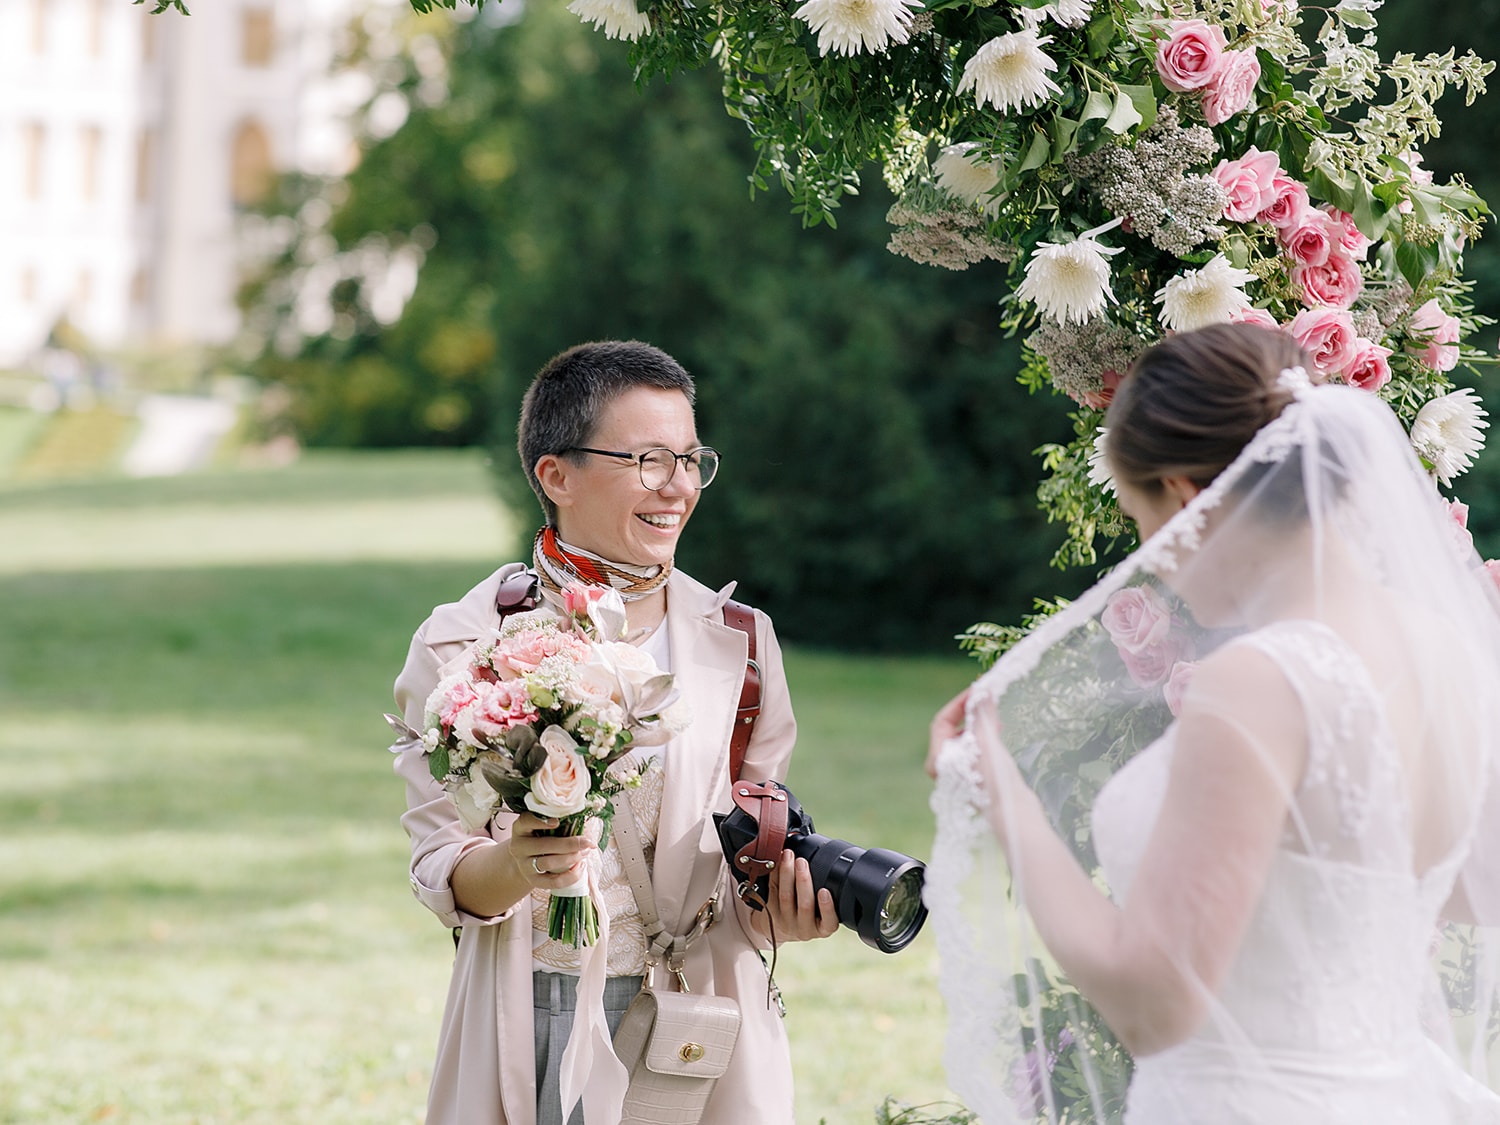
[204, 915]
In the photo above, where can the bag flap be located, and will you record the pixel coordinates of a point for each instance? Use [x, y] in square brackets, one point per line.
[694, 1036]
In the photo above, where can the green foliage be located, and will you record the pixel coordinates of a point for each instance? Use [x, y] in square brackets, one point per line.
[878, 471]
[166, 6]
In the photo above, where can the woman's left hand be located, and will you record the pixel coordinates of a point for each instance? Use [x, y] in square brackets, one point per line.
[796, 912]
[947, 723]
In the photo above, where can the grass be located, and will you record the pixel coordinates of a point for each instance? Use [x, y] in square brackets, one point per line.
[204, 915]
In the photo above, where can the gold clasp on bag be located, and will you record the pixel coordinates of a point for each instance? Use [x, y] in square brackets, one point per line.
[690, 1052]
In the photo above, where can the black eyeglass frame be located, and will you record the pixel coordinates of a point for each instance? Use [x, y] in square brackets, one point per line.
[640, 461]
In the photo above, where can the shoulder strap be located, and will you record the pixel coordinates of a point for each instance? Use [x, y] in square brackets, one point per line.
[739, 616]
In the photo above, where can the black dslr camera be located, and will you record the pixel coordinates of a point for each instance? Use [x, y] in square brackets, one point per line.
[877, 892]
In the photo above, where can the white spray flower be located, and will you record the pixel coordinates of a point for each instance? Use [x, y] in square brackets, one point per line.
[1010, 72]
[1069, 281]
[1449, 433]
[851, 26]
[967, 177]
[1099, 475]
[1197, 298]
[1065, 13]
[619, 19]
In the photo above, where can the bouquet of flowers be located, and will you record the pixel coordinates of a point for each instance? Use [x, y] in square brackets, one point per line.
[535, 718]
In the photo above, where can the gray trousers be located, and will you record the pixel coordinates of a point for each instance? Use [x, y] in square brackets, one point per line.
[554, 996]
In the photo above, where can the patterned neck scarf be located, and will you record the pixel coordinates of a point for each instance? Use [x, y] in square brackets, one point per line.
[558, 563]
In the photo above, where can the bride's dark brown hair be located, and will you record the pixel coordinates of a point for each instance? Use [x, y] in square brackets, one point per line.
[1192, 402]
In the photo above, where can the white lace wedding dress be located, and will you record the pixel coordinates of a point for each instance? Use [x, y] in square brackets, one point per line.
[1321, 1016]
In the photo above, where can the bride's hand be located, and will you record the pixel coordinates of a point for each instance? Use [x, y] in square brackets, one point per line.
[1000, 777]
[947, 723]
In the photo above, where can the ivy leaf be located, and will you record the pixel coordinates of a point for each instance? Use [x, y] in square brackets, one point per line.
[1124, 116]
[437, 763]
[1037, 154]
[1415, 262]
[1097, 107]
[1144, 100]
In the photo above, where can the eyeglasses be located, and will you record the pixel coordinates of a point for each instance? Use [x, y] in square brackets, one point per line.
[658, 466]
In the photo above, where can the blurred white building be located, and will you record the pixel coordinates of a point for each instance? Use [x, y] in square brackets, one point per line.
[129, 145]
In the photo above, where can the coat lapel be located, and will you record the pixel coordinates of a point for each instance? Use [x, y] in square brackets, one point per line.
[708, 661]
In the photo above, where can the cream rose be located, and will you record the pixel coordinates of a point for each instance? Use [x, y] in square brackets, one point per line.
[561, 787]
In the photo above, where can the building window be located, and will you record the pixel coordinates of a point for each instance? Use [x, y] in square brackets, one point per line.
[38, 27]
[34, 151]
[91, 140]
[257, 36]
[251, 171]
[145, 153]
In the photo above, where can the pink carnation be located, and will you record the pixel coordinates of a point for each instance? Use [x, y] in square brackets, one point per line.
[1250, 183]
[456, 700]
[1289, 201]
[1310, 239]
[1349, 234]
[1233, 87]
[524, 651]
[1328, 336]
[1252, 315]
[1368, 368]
[499, 707]
[1191, 56]
[1335, 284]
[1436, 334]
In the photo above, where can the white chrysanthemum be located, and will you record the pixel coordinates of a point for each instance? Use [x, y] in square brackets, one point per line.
[1065, 13]
[851, 26]
[1449, 433]
[1201, 297]
[619, 19]
[1069, 281]
[1099, 475]
[1010, 72]
[967, 177]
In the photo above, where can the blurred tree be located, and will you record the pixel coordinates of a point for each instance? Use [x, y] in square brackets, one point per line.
[879, 480]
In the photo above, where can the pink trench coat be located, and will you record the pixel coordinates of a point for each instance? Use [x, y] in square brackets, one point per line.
[485, 1073]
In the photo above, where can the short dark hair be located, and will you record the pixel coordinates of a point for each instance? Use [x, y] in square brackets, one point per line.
[563, 404]
[1192, 402]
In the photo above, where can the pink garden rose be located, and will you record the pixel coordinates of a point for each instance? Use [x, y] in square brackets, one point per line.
[1136, 618]
[1368, 369]
[1310, 239]
[579, 596]
[1288, 202]
[1191, 56]
[561, 787]
[1233, 87]
[1177, 684]
[1252, 315]
[1335, 284]
[1435, 337]
[1327, 335]
[1349, 235]
[1250, 183]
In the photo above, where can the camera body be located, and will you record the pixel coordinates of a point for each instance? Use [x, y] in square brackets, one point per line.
[876, 892]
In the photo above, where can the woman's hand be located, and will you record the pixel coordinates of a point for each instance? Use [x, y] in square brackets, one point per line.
[547, 863]
[795, 912]
[947, 723]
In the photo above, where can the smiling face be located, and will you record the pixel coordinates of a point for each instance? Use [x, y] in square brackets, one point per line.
[602, 506]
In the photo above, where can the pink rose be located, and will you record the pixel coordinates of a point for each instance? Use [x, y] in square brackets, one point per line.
[1177, 684]
[579, 596]
[1368, 369]
[1287, 204]
[1152, 666]
[1335, 284]
[1191, 56]
[1250, 183]
[1136, 618]
[561, 786]
[1233, 87]
[1435, 334]
[1459, 511]
[1252, 315]
[1100, 399]
[1310, 239]
[1349, 235]
[1327, 335]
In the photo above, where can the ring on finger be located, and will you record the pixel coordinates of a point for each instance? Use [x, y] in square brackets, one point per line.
[536, 866]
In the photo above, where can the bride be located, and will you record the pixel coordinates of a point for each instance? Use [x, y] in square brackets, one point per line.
[1213, 840]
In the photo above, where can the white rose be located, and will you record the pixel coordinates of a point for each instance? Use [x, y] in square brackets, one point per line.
[475, 801]
[561, 787]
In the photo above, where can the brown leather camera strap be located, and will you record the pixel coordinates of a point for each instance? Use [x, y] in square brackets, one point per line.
[740, 616]
[766, 805]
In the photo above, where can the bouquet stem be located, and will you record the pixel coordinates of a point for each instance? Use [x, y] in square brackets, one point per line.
[572, 917]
